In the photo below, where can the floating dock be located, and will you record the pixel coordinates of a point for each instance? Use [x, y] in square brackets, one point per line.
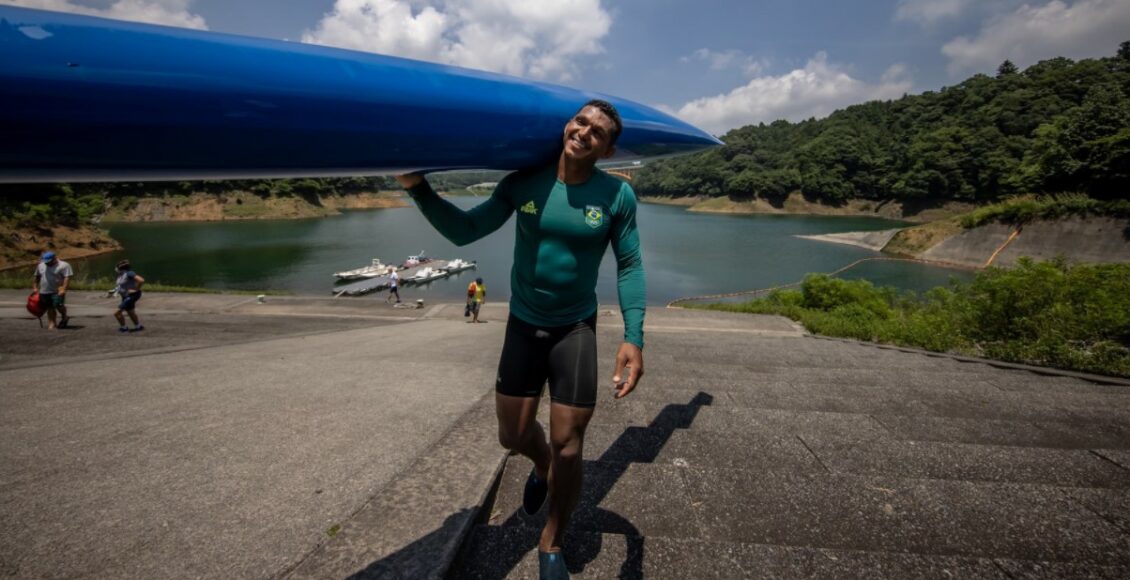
[370, 285]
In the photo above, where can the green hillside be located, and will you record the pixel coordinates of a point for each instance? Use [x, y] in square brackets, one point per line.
[1057, 126]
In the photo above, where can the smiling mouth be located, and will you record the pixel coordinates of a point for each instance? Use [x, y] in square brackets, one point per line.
[578, 143]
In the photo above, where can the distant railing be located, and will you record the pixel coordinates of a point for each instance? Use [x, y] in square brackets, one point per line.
[624, 173]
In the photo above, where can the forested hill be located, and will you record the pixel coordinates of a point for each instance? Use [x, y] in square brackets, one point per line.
[1057, 126]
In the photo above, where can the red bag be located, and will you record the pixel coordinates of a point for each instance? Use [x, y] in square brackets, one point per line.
[36, 306]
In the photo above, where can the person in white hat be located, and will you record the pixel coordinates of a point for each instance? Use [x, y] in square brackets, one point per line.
[52, 276]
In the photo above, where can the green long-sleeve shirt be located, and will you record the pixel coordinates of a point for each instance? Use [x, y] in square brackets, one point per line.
[563, 231]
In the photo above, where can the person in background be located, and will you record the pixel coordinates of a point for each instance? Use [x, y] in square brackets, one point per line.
[476, 297]
[52, 276]
[393, 285]
[129, 288]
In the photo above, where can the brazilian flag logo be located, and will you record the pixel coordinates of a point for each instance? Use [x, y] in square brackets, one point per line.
[594, 216]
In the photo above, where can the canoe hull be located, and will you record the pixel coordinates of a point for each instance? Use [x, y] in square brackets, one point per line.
[91, 99]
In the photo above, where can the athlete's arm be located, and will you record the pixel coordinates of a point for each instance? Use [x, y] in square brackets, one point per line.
[630, 284]
[458, 226]
[631, 288]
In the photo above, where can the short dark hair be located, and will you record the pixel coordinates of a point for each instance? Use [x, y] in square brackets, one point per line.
[607, 108]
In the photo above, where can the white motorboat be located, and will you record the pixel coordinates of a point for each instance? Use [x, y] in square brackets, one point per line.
[371, 271]
[426, 274]
[458, 265]
[416, 260]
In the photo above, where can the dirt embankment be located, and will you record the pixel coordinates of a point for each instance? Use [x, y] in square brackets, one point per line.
[243, 206]
[796, 203]
[22, 246]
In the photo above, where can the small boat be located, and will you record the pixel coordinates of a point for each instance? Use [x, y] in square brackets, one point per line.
[426, 275]
[415, 260]
[371, 271]
[458, 265]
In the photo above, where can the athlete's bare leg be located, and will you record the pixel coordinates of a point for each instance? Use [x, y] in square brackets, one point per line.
[519, 430]
[567, 434]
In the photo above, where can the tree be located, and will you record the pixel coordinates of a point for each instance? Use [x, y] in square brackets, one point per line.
[1057, 126]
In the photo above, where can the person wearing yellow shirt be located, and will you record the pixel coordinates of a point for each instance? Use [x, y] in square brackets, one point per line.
[476, 296]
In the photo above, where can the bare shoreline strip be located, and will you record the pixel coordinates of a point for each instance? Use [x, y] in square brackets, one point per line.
[874, 240]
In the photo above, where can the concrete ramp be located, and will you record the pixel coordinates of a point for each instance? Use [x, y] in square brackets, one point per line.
[311, 438]
[1094, 240]
[752, 456]
[876, 240]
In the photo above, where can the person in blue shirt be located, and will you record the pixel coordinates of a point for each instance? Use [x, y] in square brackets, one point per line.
[129, 289]
[568, 213]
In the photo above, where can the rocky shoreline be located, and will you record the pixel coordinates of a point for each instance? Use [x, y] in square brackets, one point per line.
[940, 240]
[797, 204]
[20, 246]
[246, 206]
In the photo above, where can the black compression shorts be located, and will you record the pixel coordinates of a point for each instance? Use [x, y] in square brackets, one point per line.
[565, 355]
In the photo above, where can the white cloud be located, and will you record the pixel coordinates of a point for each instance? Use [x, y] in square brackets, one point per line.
[816, 90]
[930, 11]
[722, 60]
[167, 12]
[1086, 28]
[519, 37]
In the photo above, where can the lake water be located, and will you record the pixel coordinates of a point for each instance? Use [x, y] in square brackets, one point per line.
[685, 254]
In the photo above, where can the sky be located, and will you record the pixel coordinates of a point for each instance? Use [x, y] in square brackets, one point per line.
[719, 64]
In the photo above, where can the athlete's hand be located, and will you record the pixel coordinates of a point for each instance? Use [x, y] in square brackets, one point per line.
[629, 356]
[409, 180]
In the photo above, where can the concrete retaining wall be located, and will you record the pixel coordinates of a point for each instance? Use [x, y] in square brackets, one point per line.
[1095, 240]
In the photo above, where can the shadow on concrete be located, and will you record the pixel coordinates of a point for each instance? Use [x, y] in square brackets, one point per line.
[635, 445]
[417, 560]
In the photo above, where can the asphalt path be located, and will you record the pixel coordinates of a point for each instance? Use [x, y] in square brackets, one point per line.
[229, 439]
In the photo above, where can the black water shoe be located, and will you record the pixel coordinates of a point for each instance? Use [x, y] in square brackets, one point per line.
[551, 566]
[534, 495]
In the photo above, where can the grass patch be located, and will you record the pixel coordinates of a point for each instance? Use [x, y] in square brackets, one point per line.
[1026, 208]
[913, 241]
[1052, 314]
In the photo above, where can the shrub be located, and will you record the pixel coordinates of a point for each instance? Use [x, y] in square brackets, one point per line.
[1046, 313]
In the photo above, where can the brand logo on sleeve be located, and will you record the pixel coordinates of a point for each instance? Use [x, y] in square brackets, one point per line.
[530, 208]
[594, 216]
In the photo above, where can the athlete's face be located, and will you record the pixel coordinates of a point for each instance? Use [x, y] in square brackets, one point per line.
[588, 136]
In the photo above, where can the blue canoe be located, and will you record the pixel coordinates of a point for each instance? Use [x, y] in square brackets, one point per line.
[91, 99]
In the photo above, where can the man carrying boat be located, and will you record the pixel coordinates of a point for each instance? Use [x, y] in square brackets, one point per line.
[568, 212]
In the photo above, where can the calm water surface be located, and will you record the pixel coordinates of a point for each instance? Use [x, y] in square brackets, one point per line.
[685, 254]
